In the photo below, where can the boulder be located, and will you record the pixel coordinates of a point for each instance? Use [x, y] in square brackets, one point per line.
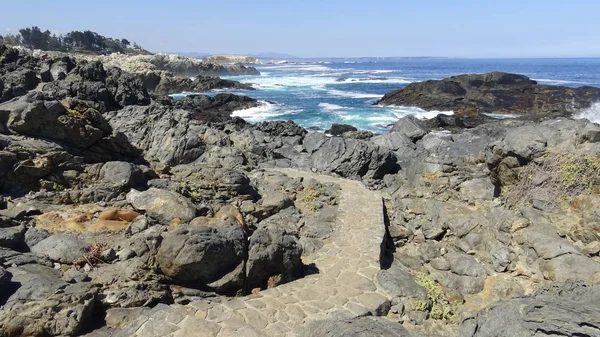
[340, 129]
[205, 256]
[44, 305]
[121, 175]
[348, 157]
[411, 127]
[162, 205]
[61, 248]
[570, 309]
[12, 238]
[274, 250]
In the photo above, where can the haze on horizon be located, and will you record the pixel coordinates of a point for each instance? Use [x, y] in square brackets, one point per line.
[332, 28]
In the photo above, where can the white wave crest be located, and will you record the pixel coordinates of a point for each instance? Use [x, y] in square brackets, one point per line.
[351, 94]
[559, 82]
[330, 107]
[592, 113]
[264, 111]
[400, 80]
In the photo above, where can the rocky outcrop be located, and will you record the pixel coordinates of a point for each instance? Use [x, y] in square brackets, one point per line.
[471, 95]
[169, 84]
[176, 64]
[221, 59]
[565, 310]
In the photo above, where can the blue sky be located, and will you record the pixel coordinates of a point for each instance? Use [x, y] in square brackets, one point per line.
[330, 28]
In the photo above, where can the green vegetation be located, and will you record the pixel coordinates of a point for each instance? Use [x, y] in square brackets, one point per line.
[557, 176]
[310, 197]
[87, 41]
[440, 308]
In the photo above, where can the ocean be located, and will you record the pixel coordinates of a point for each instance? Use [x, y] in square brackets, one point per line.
[316, 93]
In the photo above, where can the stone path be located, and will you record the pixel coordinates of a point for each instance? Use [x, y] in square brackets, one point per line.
[345, 286]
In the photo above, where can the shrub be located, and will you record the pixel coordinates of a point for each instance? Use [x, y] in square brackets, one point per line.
[441, 308]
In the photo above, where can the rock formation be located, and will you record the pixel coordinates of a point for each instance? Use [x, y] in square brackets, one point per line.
[502, 93]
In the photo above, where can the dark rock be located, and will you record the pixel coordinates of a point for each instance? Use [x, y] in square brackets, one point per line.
[12, 238]
[17, 83]
[495, 92]
[281, 128]
[169, 84]
[274, 250]
[126, 89]
[44, 305]
[348, 157]
[201, 256]
[121, 175]
[564, 310]
[411, 127]
[358, 327]
[340, 129]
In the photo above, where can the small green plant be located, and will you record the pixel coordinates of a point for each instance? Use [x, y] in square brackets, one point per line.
[420, 305]
[441, 309]
[191, 190]
[557, 176]
[441, 312]
[310, 197]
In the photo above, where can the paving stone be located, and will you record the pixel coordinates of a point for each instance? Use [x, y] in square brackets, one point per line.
[195, 327]
[344, 287]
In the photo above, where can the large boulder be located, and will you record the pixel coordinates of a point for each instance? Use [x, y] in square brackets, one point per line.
[44, 305]
[205, 256]
[36, 114]
[494, 92]
[162, 205]
[411, 127]
[348, 157]
[61, 248]
[563, 310]
[274, 250]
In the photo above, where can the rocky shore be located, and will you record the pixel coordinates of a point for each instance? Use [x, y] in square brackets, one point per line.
[500, 93]
[125, 212]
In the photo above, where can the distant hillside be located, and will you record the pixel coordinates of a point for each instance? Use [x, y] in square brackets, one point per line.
[86, 41]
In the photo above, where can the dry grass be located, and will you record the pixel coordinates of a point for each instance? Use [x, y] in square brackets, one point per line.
[92, 257]
[558, 177]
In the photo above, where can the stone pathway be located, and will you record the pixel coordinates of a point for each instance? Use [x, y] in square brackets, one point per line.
[345, 286]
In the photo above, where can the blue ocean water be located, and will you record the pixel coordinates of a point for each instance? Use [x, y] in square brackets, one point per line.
[317, 93]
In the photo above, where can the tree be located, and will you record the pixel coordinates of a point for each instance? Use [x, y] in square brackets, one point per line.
[125, 43]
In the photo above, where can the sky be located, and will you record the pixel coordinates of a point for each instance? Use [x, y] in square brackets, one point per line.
[329, 28]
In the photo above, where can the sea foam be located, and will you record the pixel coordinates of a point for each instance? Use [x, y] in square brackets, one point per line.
[592, 113]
